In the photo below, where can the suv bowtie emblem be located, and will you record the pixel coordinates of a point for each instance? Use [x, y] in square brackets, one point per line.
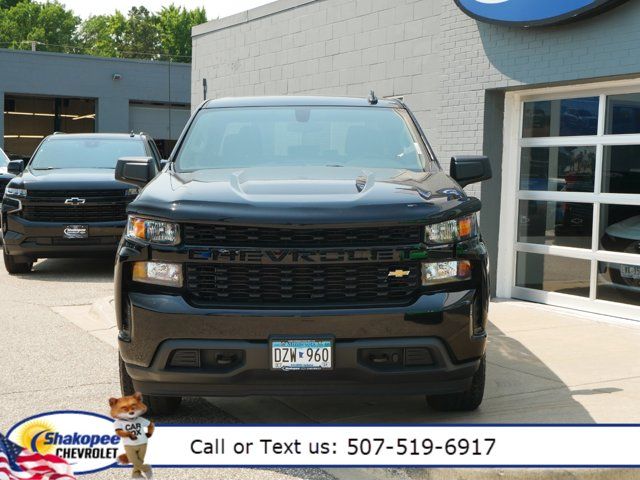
[74, 201]
[399, 273]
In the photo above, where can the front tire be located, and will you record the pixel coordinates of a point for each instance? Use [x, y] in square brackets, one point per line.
[466, 401]
[157, 405]
[14, 267]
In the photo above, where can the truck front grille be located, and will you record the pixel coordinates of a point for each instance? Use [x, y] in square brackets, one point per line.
[301, 285]
[348, 236]
[98, 206]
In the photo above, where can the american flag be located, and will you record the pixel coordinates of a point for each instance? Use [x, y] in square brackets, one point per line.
[17, 463]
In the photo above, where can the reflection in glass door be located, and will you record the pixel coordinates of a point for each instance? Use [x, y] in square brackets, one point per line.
[577, 236]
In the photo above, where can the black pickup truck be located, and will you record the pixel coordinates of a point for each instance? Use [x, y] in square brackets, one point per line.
[65, 202]
[303, 246]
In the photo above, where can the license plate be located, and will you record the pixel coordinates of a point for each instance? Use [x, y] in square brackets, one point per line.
[76, 231]
[630, 271]
[302, 354]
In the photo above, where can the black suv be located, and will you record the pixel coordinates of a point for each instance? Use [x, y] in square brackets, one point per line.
[65, 202]
[304, 246]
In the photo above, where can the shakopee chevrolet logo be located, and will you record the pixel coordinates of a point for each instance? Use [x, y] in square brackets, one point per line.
[530, 13]
[87, 441]
[74, 201]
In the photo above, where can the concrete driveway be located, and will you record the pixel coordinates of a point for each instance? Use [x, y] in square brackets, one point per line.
[545, 365]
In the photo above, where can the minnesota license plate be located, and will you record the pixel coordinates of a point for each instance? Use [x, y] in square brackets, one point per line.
[302, 354]
[630, 271]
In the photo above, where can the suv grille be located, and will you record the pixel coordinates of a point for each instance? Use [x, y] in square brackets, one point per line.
[99, 206]
[241, 236]
[282, 285]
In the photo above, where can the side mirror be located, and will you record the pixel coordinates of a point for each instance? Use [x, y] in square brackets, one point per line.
[15, 167]
[137, 171]
[470, 169]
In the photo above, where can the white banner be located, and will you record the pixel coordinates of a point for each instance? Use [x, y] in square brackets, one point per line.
[432, 445]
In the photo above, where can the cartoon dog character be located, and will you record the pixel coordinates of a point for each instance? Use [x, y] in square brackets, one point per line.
[130, 426]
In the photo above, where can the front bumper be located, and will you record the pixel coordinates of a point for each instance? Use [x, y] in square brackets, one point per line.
[352, 374]
[31, 240]
[160, 325]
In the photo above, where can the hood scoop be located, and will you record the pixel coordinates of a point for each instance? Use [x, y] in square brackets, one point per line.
[302, 185]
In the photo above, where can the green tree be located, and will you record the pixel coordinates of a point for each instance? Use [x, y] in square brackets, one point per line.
[96, 36]
[117, 35]
[174, 29]
[50, 24]
[140, 36]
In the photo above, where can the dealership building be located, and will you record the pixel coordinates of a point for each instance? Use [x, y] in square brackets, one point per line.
[557, 109]
[50, 92]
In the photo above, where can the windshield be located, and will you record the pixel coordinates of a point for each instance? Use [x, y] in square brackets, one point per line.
[4, 160]
[299, 136]
[84, 153]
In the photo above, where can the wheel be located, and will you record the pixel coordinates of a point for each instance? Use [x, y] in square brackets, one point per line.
[466, 401]
[14, 267]
[157, 405]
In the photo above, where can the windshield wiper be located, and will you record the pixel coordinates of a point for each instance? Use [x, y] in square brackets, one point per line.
[45, 168]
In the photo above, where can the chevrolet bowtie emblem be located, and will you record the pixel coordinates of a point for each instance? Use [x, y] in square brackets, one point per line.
[74, 201]
[399, 273]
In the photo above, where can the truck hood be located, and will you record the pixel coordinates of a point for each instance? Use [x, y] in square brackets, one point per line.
[70, 179]
[303, 195]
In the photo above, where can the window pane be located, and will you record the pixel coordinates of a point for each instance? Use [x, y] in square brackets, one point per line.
[558, 169]
[621, 169]
[555, 223]
[620, 228]
[623, 114]
[561, 118]
[618, 283]
[70, 152]
[301, 136]
[553, 274]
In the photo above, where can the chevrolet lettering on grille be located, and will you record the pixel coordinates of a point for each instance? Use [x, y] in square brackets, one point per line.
[299, 256]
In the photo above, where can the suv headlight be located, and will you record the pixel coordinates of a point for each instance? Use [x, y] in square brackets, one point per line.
[153, 231]
[452, 231]
[15, 192]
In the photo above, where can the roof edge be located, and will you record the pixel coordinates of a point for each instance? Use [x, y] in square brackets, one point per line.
[15, 51]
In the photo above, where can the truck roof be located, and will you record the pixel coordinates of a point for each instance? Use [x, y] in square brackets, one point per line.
[302, 101]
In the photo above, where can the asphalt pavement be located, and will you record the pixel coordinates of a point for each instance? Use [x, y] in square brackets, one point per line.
[544, 366]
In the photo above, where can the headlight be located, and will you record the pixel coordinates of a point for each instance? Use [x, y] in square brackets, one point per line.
[15, 192]
[452, 230]
[158, 273]
[153, 231]
[444, 272]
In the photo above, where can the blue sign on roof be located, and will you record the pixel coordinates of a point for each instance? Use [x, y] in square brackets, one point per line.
[530, 13]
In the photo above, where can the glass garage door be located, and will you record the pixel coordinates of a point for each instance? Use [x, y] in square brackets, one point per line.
[578, 203]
